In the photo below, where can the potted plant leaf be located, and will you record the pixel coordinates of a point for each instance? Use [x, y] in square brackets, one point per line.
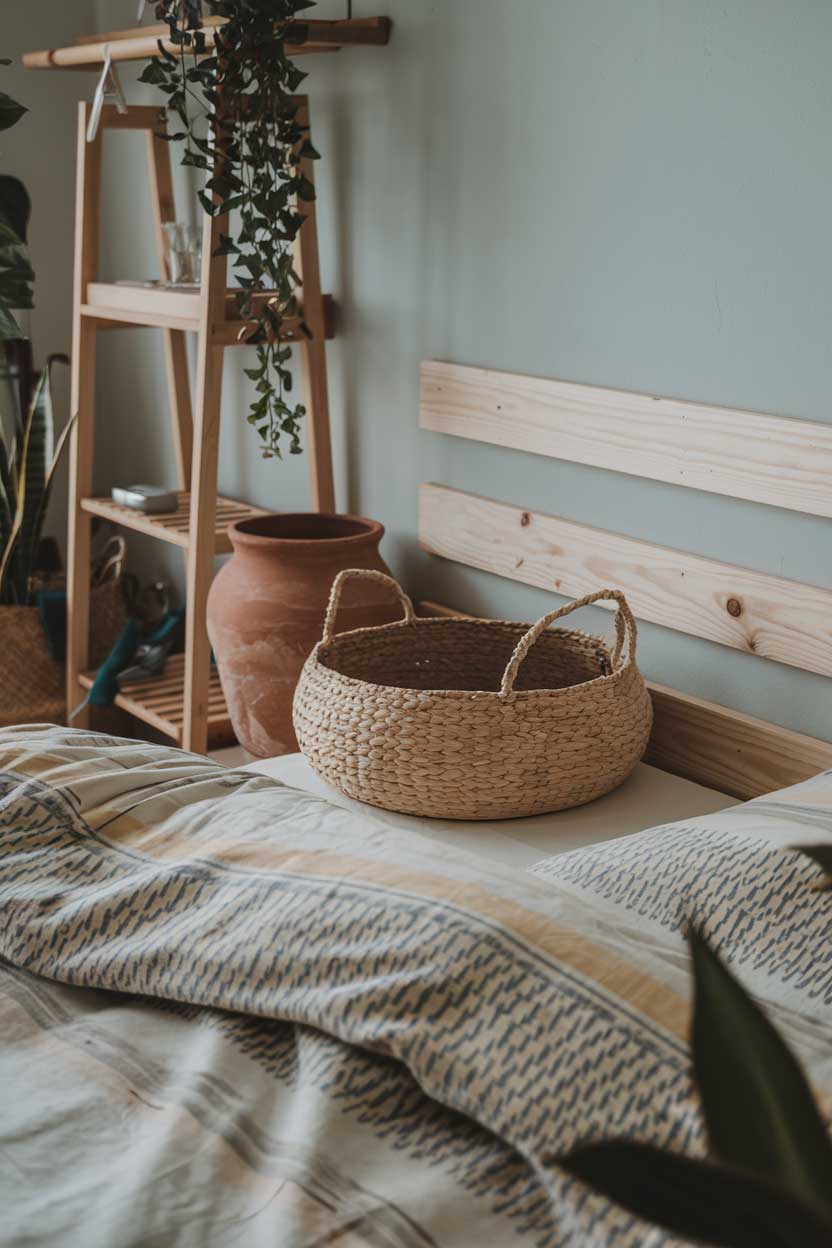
[767, 1182]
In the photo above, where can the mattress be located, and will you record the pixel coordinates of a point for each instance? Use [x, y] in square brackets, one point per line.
[232, 1011]
[649, 797]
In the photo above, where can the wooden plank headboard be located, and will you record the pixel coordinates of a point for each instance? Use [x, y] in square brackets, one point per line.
[763, 459]
[767, 459]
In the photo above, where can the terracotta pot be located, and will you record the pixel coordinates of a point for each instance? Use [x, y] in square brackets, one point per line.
[266, 611]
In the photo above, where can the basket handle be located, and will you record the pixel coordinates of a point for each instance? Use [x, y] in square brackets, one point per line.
[625, 629]
[368, 574]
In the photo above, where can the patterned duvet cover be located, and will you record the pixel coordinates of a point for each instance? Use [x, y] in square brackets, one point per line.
[231, 1013]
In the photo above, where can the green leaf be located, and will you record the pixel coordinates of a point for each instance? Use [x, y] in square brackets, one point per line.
[15, 205]
[8, 238]
[16, 277]
[207, 203]
[6, 497]
[227, 247]
[154, 73]
[9, 328]
[10, 111]
[822, 855]
[167, 56]
[47, 491]
[36, 460]
[10, 548]
[235, 201]
[698, 1200]
[39, 462]
[759, 1110]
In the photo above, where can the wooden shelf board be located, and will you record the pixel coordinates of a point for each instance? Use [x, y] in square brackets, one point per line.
[140, 43]
[172, 526]
[166, 307]
[161, 306]
[160, 702]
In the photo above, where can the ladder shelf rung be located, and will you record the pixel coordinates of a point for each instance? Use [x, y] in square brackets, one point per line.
[119, 304]
[173, 526]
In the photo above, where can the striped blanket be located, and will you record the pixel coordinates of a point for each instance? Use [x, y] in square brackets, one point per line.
[232, 1013]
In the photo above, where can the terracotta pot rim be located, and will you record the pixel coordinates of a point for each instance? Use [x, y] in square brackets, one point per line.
[368, 531]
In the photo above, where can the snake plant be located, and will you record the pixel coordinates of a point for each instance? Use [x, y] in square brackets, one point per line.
[29, 455]
[28, 452]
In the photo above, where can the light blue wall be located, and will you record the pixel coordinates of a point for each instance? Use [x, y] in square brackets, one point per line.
[635, 195]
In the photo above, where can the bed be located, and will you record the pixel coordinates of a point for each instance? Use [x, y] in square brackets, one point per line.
[237, 1008]
[234, 1012]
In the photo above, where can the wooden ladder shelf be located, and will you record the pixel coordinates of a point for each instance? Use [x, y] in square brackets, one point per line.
[186, 702]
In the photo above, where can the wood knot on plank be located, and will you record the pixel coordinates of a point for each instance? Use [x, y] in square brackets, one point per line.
[734, 607]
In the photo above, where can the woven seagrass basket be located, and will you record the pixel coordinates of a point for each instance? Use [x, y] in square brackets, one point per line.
[472, 719]
[33, 684]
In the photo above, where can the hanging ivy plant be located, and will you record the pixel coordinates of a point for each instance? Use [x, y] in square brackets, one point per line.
[230, 90]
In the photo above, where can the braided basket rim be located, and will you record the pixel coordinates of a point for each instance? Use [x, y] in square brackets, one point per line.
[466, 695]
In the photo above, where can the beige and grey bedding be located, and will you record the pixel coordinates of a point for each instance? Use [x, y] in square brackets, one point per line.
[233, 1013]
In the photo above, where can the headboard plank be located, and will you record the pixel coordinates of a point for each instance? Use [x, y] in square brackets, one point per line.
[751, 611]
[765, 459]
[712, 745]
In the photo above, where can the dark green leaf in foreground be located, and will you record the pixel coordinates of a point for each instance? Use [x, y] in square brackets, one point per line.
[822, 855]
[697, 1200]
[759, 1110]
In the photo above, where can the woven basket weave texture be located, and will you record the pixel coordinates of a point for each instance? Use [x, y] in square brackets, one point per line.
[473, 719]
[32, 684]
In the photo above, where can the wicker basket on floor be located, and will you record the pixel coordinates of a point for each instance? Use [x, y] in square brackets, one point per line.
[33, 684]
[472, 719]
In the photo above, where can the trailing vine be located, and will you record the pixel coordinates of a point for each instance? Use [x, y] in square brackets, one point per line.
[231, 90]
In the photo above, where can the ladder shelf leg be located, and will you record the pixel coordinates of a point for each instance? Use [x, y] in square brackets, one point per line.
[313, 350]
[176, 351]
[87, 209]
[202, 539]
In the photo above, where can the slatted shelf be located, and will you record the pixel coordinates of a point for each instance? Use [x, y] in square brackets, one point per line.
[160, 703]
[173, 526]
[166, 307]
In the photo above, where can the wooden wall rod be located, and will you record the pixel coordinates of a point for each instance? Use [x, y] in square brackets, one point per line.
[142, 43]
